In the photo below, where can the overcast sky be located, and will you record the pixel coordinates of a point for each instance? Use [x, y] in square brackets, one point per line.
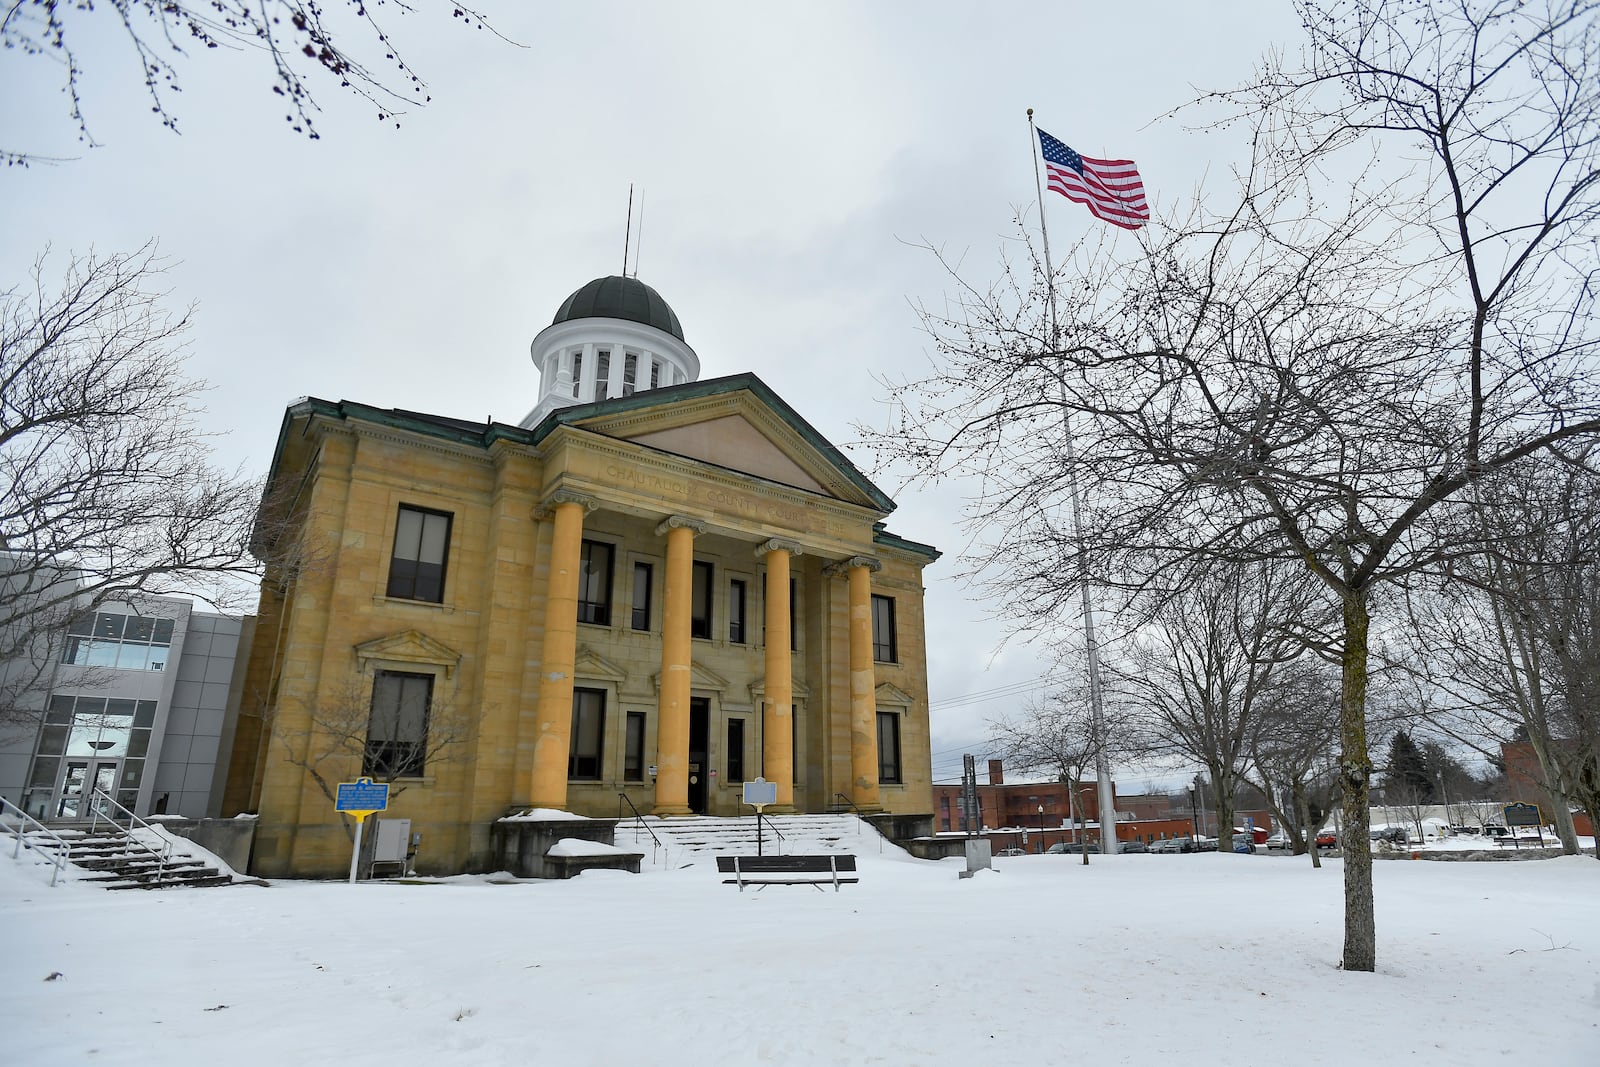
[788, 157]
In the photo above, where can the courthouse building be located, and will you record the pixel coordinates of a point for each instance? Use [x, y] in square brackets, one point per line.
[654, 586]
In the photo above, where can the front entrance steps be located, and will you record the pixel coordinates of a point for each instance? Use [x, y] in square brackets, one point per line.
[693, 838]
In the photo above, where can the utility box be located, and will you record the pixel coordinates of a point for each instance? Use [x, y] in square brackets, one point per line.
[390, 847]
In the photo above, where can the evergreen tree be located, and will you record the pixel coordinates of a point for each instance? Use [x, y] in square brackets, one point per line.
[1408, 779]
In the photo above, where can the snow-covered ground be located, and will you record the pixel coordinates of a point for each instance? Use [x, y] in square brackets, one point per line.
[1184, 959]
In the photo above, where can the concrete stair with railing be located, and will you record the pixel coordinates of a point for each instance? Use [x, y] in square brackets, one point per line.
[118, 859]
[693, 840]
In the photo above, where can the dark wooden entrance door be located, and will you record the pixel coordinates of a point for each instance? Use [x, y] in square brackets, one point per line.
[699, 753]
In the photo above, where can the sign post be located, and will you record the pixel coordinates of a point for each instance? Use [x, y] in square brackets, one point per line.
[758, 794]
[359, 799]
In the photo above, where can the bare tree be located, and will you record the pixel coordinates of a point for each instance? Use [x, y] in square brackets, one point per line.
[348, 734]
[107, 489]
[1311, 373]
[1204, 673]
[294, 40]
[1294, 752]
[1058, 735]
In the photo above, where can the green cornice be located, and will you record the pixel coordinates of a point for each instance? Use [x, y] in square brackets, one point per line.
[880, 536]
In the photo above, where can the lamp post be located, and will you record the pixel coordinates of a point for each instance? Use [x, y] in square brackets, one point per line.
[1041, 829]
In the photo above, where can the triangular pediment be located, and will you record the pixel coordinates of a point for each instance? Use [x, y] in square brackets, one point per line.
[590, 664]
[700, 677]
[409, 646]
[737, 424]
[758, 691]
[893, 695]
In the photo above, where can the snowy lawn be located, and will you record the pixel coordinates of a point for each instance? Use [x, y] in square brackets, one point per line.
[1198, 959]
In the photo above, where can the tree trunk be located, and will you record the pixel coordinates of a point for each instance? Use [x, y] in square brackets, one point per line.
[1305, 824]
[1555, 790]
[1222, 783]
[1355, 775]
[1077, 820]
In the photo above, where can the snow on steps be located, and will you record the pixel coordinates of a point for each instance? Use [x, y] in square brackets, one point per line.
[696, 838]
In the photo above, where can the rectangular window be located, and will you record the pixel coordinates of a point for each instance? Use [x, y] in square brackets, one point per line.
[421, 540]
[642, 574]
[735, 750]
[655, 374]
[633, 751]
[630, 372]
[577, 372]
[700, 613]
[594, 583]
[888, 747]
[397, 728]
[588, 731]
[602, 373]
[883, 642]
[107, 639]
[736, 605]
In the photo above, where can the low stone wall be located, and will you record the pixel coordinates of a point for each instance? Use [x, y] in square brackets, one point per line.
[228, 838]
[902, 828]
[935, 848]
[520, 844]
[1477, 855]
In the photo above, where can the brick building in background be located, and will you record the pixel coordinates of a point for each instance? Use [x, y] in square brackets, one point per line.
[1042, 811]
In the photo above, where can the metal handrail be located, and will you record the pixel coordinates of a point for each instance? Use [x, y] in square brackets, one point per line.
[63, 850]
[639, 822]
[162, 857]
[861, 819]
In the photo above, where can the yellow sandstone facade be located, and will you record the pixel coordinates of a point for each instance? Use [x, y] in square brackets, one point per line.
[657, 594]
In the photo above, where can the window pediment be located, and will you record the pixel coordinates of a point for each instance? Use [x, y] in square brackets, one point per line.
[891, 695]
[409, 647]
[590, 664]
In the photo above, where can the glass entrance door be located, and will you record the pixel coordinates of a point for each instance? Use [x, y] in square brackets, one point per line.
[79, 781]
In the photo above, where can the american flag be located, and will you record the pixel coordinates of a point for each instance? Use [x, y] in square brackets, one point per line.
[1108, 187]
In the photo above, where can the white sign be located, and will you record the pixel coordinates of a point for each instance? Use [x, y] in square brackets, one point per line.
[759, 793]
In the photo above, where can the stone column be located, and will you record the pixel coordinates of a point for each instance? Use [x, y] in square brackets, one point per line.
[553, 717]
[672, 723]
[863, 687]
[777, 722]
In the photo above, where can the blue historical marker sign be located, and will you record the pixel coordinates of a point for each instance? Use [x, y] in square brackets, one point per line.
[1522, 815]
[363, 795]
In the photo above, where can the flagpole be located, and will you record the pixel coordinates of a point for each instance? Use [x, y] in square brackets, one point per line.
[1106, 794]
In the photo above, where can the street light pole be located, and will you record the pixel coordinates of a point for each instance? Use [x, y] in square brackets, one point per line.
[1041, 829]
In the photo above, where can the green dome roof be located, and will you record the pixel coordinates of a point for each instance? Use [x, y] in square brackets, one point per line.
[620, 298]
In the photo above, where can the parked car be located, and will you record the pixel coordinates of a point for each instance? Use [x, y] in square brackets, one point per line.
[1205, 844]
[1279, 840]
[1327, 839]
[1132, 846]
[1012, 852]
[1172, 844]
[1394, 835]
[1063, 847]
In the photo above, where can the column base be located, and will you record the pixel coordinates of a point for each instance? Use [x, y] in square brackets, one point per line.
[667, 811]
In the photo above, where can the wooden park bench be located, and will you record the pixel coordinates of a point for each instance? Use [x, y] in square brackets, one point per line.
[761, 871]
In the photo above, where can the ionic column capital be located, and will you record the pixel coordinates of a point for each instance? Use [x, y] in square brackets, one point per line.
[841, 568]
[778, 544]
[679, 522]
[548, 505]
